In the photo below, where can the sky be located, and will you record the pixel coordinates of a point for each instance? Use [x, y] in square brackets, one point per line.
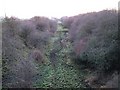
[25, 9]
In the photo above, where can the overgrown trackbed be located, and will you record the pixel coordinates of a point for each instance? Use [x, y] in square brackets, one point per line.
[59, 72]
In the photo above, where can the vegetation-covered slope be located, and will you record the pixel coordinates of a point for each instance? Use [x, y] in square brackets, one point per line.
[95, 39]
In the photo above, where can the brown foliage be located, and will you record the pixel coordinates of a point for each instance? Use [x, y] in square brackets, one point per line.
[44, 24]
[38, 56]
[80, 45]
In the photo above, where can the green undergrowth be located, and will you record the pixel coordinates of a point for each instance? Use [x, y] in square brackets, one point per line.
[64, 73]
[62, 76]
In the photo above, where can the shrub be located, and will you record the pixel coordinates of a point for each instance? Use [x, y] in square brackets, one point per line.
[18, 71]
[41, 23]
[53, 26]
[67, 21]
[26, 27]
[101, 47]
[37, 56]
[10, 26]
[38, 39]
[44, 24]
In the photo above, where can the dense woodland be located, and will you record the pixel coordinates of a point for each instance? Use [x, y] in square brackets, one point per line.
[74, 52]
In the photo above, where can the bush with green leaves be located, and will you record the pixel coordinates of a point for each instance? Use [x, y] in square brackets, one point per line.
[101, 46]
[18, 70]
